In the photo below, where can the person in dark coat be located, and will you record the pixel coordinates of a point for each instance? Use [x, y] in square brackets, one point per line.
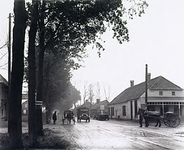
[146, 117]
[141, 116]
[54, 117]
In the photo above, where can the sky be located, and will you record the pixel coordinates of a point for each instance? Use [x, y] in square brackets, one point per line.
[156, 39]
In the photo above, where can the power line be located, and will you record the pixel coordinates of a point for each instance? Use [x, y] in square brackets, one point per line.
[4, 55]
[4, 65]
[4, 45]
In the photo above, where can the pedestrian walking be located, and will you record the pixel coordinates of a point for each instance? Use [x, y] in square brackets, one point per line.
[141, 116]
[73, 118]
[54, 117]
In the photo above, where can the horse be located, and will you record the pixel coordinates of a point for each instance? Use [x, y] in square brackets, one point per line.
[69, 116]
[149, 116]
[152, 116]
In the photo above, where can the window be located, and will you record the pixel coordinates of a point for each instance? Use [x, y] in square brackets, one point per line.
[124, 110]
[173, 93]
[112, 111]
[176, 109]
[25, 105]
[166, 109]
[160, 92]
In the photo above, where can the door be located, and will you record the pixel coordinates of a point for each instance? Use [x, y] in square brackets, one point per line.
[131, 110]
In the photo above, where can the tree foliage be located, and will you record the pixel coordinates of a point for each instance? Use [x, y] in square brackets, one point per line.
[77, 23]
[66, 27]
[71, 100]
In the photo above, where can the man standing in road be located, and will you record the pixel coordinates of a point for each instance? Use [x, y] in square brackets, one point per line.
[141, 116]
[54, 117]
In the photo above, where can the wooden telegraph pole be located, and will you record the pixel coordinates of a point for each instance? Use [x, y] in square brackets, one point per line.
[9, 65]
[9, 51]
[146, 85]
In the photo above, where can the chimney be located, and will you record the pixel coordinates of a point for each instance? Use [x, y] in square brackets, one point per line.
[149, 76]
[97, 100]
[131, 83]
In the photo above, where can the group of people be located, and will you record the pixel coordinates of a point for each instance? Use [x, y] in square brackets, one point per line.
[143, 114]
[69, 116]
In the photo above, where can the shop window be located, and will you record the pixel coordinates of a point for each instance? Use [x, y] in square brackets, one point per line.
[176, 109]
[151, 108]
[166, 109]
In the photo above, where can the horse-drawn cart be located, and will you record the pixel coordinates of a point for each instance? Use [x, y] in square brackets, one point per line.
[170, 119]
[68, 115]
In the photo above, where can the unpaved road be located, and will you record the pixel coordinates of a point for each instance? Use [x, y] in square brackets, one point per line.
[122, 135]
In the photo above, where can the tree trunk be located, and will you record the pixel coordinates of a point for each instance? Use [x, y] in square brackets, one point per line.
[15, 107]
[47, 96]
[32, 71]
[39, 121]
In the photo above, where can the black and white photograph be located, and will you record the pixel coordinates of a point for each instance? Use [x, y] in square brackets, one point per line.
[91, 75]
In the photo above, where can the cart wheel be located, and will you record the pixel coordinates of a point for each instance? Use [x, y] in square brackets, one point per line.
[177, 122]
[166, 122]
[172, 121]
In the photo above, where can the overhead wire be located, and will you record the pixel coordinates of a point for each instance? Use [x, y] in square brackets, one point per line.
[4, 45]
[4, 55]
[3, 65]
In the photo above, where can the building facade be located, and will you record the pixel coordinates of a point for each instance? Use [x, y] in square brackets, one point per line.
[3, 97]
[162, 96]
[100, 107]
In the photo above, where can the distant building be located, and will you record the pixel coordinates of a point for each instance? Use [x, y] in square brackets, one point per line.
[162, 96]
[3, 96]
[100, 107]
[88, 105]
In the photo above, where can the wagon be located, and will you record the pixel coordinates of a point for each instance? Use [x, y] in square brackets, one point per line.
[68, 115]
[170, 119]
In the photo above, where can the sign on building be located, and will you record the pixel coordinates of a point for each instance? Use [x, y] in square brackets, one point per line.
[102, 107]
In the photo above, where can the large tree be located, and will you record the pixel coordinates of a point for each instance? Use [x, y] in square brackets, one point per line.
[15, 107]
[77, 23]
[31, 73]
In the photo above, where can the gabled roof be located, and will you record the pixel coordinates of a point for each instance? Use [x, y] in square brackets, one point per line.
[87, 104]
[97, 105]
[135, 92]
[3, 80]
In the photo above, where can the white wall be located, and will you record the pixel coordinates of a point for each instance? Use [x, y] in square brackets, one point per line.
[166, 93]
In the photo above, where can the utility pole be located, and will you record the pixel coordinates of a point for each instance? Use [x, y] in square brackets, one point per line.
[9, 68]
[146, 85]
[9, 51]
